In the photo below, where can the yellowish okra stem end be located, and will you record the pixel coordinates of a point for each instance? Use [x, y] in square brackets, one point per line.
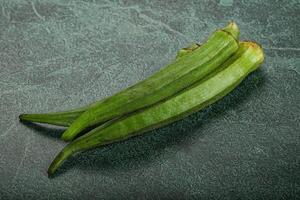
[257, 48]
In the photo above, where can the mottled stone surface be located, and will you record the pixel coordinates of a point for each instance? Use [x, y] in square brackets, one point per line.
[61, 54]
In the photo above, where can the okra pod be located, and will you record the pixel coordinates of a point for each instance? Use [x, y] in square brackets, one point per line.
[196, 97]
[162, 85]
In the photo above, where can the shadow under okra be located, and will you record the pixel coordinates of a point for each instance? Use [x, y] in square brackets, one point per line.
[50, 131]
[141, 150]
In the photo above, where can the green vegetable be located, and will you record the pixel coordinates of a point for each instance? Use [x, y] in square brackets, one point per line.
[196, 97]
[168, 81]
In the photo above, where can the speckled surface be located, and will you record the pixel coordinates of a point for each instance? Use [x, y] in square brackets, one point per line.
[61, 54]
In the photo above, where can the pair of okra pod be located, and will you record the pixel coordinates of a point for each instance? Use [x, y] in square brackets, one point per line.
[199, 76]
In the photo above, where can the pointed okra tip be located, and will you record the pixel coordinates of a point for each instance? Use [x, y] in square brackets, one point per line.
[67, 137]
[22, 117]
[233, 29]
[58, 161]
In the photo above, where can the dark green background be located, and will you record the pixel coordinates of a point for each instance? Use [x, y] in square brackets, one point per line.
[61, 54]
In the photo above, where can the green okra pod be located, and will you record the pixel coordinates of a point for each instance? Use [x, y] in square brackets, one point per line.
[162, 85]
[196, 97]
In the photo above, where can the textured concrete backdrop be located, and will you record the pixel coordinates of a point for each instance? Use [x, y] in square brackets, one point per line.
[61, 54]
